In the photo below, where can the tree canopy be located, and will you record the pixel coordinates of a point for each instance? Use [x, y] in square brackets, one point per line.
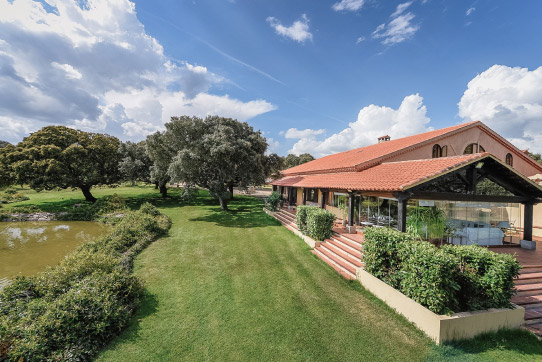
[160, 153]
[58, 156]
[293, 160]
[216, 153]
[135, 164]
[4, 144]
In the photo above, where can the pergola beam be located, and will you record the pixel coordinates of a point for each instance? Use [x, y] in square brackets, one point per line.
[452, 196]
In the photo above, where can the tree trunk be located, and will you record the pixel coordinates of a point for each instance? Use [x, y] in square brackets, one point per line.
[223, 203]
[231, 191]
[133, 182]
[163, 190]
[156, 185]
[88, 195]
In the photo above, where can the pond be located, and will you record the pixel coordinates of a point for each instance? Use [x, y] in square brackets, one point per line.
[27, 248]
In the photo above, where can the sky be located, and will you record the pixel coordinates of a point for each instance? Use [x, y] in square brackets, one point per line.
[313, 76]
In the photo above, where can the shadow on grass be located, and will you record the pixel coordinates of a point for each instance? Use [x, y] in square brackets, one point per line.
[243, 212]
[516, 340]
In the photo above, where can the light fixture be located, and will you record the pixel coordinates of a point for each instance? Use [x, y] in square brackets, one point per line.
[479, 165]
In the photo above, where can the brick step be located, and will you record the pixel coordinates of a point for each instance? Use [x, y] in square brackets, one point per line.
[524, 271]
[527, 281]
[523, 300]
[284, 220]
[533, 306]
[354, 245]
[337, 259]
[346, 256]
[533, 314]
[348, 249]
[529, 287]
[345, 236]
[529, 293]
[286, 216]
[344, 273]
[535, 328]
[526, 276]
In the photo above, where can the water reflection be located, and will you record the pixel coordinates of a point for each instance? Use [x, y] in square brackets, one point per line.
[29, 247]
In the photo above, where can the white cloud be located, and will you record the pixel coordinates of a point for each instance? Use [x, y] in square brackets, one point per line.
[470, 11]
[509, 100]
[400, 9]
[373, 121]
[305, 133]
[61, 62]
[348, 5]
[360, 39]
[399, 29]
[272, 145]
[298, 31]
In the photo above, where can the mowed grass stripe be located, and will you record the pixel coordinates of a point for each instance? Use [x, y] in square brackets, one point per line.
[227, 292]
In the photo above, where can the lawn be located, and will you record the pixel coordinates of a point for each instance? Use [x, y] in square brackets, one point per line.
[238, 286]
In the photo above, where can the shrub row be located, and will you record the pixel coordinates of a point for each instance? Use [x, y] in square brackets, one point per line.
[445, 280]
[70, 311]
[315, 222]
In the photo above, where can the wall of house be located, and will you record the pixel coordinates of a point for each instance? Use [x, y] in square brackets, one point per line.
[457, 144]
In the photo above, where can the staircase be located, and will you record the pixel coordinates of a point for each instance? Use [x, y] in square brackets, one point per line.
[339, 251]
[529, 296]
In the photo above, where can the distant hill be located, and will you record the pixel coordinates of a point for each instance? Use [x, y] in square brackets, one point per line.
[4, 143]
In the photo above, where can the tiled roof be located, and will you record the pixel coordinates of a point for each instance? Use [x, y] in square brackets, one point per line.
[360, 158]
[391, 176]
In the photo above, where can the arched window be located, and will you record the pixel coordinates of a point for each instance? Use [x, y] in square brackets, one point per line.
[509, 159]
[473, 148]
[437, 151]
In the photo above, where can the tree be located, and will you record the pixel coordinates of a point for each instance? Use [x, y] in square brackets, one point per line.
[135, 164]
[6, 171]
[273, 164]
[215, 153]
[4, 144]
[58, 156]
[535, 156]
[292, 160]
[160, 153]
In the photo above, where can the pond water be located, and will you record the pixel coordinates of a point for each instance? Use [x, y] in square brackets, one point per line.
[29, 247]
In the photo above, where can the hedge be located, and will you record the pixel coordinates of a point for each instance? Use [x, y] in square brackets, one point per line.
[70, 311]
[273, 201]
[445, 280]
[315, 222]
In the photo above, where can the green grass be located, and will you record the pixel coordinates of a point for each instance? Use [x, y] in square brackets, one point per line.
[238, 286]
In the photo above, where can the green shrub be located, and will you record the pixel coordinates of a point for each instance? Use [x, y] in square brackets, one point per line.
[315, 222]
[319, 223]
[429, 276]
[301, 218]
[72, 310]
[486, 277]
[380, 253]
[445, 280]
[91, 211]
[273, 201]
[150, 209]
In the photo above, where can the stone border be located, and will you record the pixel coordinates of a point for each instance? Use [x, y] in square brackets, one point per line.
[442, 328]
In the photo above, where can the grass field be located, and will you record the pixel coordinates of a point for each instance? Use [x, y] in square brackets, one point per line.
[238, 286]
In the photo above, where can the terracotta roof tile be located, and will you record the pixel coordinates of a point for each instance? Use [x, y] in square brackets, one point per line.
[367, 156]
[391, 176]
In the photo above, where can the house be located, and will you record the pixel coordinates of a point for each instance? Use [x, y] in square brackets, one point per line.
[475, 176]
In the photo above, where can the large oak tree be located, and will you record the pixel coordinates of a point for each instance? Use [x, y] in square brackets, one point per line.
[135, 164]
[216, 153]
[58, 156]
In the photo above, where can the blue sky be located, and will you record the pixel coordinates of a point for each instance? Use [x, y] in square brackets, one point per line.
[301, 71]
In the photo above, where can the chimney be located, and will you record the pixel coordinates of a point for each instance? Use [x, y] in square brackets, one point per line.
[385, 138]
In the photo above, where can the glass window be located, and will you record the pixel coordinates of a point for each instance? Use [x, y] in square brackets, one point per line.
[444, 151]
[509, 160]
